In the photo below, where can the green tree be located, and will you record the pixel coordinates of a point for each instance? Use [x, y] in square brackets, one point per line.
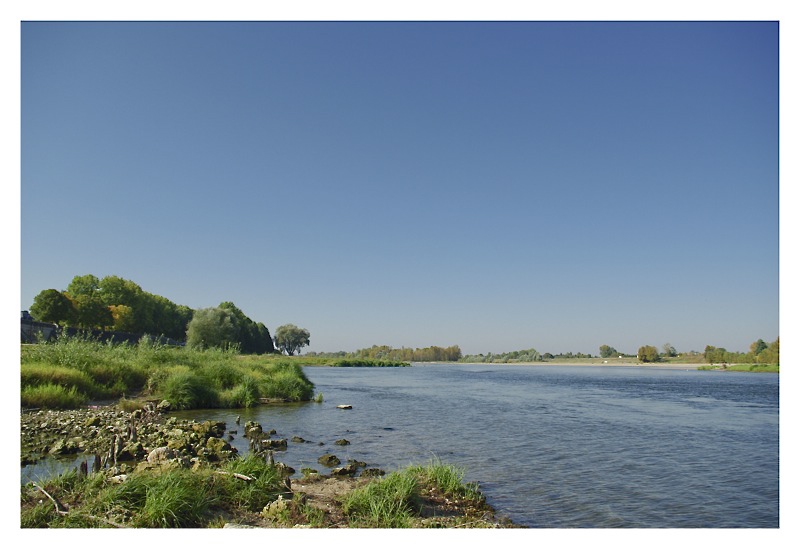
[123, 318]
[757, 346]
[669, 350]
[52, 306]
[647, 353]
[91, 312]
[606, 351]
[772, 354]
[83, 285]
[212, 327]
[253, 337]
[289, 338]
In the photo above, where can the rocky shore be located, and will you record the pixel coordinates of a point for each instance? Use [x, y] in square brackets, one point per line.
[117, 444]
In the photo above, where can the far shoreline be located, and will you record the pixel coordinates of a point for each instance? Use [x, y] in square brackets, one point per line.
[663, 366]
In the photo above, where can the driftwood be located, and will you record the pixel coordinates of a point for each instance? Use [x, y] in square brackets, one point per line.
[237, 475]
[62, 510]
[60, 507]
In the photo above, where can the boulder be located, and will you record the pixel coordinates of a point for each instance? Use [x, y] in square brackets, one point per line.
[252, 428]
[347, 470]
[342, 442]
[160, 455]
[328, 460]
[278, 444]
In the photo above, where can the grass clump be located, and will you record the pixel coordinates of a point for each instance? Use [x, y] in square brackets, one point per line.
[386, 503]
[174, 498]
[52, 396]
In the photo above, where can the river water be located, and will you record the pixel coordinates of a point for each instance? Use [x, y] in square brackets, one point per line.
[555, 446]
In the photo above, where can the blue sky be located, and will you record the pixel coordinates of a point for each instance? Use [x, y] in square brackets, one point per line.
[498, 186]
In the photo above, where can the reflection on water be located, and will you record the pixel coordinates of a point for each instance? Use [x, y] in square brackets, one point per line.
[554, 446]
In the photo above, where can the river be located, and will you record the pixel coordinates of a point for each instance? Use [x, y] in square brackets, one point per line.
[555, 446]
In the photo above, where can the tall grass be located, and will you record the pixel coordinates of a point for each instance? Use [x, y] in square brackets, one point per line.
[188, 378]
[51, 396]
[393, 502]
[178, 498]
[386, 503]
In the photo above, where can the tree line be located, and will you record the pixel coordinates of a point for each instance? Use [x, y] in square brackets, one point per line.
[403, 354]
[760, 353]
[114, 303]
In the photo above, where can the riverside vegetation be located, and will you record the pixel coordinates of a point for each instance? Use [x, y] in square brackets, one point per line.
[196, 478]
[74, 370]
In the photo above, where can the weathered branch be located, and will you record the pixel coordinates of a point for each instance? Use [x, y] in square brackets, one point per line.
[60, 507]
[237, 475]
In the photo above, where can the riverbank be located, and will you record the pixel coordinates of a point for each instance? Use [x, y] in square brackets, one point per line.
[590, 362]
[147, 469]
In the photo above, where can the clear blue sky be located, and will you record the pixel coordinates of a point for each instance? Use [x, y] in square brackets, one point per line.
[498, 186]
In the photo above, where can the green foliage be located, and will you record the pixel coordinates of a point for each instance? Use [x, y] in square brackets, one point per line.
[289, 338]
[191, 377]
[253, 495]
[757, 347]
[386, 503]
[51, 396]
[187, 390]
[252, 337]
[648, 353]
[176, 498]
[669, 350]
[243, 395]
[90, 313]
[607, 351]
[448, 479]
[529, 355]
[405, 354]
[52, 306]
[767, 354]
[212, 327]
[365, 362]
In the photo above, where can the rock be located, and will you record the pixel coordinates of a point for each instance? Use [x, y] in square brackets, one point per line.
[284, 469]
[131, 451]
[252, 428]
[328, 460]
[219, 449]
[348, 469]
[164, 406]
[118, 479]
[344, 406]
[234, 525]
[298, 439]
[279, 444]
[63, 447]
[160, 455]
[209, 429]
[342, 442]
[373, 472]
[92, 421]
